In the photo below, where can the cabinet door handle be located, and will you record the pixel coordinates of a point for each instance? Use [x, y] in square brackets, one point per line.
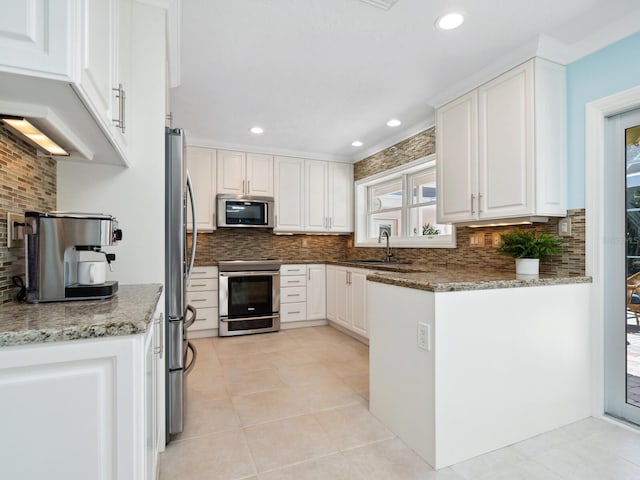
[121, 96]
[479, 203]
[309, 274]
[330, 222]
[248, 186]
[473, 197]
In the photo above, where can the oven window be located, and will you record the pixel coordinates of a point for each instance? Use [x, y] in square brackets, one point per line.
[250, 296]
[246, 213]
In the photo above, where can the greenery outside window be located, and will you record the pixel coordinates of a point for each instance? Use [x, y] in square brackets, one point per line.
[404, 200]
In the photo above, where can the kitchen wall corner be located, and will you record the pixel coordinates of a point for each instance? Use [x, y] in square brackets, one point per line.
[28, 183]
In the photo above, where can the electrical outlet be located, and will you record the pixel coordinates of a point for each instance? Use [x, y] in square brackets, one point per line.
[424, 336]
[564, 227]
[15, 230]
[496, 241]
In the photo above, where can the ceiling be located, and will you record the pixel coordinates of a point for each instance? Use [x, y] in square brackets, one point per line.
[319, 74]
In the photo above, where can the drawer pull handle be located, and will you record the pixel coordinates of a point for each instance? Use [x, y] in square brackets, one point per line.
[298, 311]
[198, 285]
[293, 281]
[293, 295]
[199, 300]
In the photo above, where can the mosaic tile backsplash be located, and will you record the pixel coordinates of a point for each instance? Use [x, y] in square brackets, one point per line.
[250, 243]
[27, 182]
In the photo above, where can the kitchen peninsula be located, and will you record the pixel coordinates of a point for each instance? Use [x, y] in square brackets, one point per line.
[78, 386]
[464, 362]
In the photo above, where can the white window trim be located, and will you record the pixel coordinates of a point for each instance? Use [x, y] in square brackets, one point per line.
[362, 201]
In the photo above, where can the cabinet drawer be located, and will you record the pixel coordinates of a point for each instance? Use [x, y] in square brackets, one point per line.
[202, 284]
[293, 294]
[204, 272]
[202, 299]
[293, 312]
[293, 281]
[206, 319]
[293, 270]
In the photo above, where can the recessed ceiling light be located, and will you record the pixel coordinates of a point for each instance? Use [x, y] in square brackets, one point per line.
[256, 130]
[357, 143]
[394, 122]
[450, 21]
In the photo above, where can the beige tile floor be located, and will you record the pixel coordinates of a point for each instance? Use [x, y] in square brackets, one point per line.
[292, 405]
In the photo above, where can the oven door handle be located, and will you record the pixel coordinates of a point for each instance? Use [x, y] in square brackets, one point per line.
[244, 319]
[192, 363]
[192, 320]
[250, 274]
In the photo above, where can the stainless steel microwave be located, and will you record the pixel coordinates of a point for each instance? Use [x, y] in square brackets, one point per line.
[241, 211]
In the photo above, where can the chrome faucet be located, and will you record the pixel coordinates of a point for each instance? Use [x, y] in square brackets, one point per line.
[385, 232]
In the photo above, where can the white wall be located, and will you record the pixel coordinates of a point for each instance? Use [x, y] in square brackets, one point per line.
[134, 195]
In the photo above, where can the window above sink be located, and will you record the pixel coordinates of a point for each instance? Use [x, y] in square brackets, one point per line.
[404, 200]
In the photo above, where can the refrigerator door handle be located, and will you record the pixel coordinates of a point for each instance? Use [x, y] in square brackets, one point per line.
[194, 226]
[192, 320]
[192, 363]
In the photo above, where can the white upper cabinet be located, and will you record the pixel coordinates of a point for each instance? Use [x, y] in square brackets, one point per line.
[231, 172]
[457, 165]
[289, 195]
[201, 163]
[105, 44]
[82, 43]
[316, 189]
[35, 37]
[341, 197]
[328, 197]
[501, 148]
[241, 173]
[259, 175]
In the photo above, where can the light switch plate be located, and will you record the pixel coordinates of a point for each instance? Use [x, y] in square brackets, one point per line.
[477, 239]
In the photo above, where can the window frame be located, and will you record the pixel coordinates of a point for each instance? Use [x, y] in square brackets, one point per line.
[363, 203]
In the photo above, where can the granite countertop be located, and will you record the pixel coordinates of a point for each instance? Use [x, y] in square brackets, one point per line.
[452, 280]
[127, 313]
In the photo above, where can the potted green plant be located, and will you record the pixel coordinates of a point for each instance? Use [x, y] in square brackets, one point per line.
[528, 248]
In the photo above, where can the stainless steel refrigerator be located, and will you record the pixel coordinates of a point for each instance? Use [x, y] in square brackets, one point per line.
[181, 354]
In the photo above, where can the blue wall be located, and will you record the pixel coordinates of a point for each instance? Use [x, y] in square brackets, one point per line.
[611, 70]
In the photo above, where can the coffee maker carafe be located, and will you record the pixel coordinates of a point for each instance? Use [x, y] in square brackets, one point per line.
[56, 244]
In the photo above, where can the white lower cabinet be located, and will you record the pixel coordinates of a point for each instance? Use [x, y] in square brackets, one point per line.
[202, 293]
[82, 409]
[302, 293]
[347, 298]
[316, 292]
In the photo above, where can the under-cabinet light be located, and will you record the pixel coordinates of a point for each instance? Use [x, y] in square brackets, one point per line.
[24, 127]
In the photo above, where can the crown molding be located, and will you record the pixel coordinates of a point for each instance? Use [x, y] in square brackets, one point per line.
[212, 143]
[610, 33]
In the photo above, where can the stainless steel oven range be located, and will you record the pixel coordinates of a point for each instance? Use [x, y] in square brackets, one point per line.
[249, 296]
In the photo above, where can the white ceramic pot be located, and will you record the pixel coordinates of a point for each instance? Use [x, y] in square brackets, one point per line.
[92, 273]
[527, 266]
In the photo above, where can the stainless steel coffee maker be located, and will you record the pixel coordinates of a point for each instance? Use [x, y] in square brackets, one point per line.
[55, 243]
